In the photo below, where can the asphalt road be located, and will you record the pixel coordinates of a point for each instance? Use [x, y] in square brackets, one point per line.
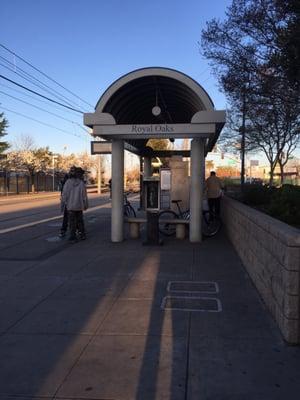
[16, 212]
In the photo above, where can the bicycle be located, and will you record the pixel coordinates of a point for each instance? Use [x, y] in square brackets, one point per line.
[211, 223]
[128, 209]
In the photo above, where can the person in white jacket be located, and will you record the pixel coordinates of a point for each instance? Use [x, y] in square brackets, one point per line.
[74, 197]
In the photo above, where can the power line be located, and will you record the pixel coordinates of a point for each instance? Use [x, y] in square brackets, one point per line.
[36, 99]
[42, 109]
[51, 91]
[207, 79]
[12, 67]
[204, 71]
[41, 95]
[47, 76]
[41, 122]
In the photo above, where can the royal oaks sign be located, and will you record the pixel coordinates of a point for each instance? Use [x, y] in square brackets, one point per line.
[152, 129]
[146, 131]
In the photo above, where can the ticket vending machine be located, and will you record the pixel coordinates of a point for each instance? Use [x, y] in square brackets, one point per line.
[165, 188]
[152, 193]
[152, 206]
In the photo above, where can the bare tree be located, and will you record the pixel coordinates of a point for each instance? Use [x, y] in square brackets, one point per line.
[255, 55]
[24, 143]
[275, 121]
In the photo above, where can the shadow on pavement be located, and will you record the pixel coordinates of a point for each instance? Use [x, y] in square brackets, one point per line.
[88, 323]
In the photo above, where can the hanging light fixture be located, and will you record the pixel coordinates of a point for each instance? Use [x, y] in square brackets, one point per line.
[156, 109]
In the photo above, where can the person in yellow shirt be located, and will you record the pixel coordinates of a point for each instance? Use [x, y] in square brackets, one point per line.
[213, 189]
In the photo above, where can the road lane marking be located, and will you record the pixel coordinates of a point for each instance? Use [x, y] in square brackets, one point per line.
[42, 221]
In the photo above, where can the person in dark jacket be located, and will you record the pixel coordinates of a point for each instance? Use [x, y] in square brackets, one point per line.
[74, 196]
[110, 188]
[64, 226]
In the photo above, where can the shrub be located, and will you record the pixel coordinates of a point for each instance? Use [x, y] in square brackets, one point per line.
[285, 204]
[257, 195]
[281, 203]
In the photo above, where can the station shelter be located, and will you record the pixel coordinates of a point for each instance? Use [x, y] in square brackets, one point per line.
[155, 103]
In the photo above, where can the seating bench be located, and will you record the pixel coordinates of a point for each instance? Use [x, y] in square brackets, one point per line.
[134, 226]
[180, 226]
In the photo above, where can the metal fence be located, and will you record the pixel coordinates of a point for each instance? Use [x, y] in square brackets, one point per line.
[12, 182]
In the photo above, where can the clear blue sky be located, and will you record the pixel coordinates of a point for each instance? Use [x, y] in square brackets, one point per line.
[86, 45]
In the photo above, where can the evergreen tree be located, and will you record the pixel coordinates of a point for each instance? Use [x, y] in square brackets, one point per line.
[3, 125]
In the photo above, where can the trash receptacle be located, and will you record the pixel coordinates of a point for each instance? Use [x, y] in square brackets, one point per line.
[152, 227]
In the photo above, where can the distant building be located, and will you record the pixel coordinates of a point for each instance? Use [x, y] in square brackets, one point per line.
[291, 171]
[225, 164]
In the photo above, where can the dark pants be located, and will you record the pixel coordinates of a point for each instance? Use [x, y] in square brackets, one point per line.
[64, 226]
[214, 206]
[76, 223]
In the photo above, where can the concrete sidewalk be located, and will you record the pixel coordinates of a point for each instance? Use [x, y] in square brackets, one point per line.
[105, 321]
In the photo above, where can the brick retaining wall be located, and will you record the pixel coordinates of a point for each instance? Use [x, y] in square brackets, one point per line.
[270, 251]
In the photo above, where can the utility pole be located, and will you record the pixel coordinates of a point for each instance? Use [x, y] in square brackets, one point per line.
[243, 132]
[54, 157]
[246, 88]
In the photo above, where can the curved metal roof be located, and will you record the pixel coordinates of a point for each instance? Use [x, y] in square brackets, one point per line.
[131, 98]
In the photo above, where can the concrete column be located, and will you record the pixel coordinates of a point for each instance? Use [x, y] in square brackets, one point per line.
[197, 159]
[147, 167]
[117, 178]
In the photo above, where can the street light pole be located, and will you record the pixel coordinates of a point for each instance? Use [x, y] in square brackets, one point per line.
[99, 177]
[53, 171]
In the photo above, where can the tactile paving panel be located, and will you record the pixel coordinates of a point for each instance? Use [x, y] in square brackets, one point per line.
[192, 287]
[200, 304]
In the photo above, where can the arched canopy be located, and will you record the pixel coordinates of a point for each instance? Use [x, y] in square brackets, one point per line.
[131, 98]
[128, 103]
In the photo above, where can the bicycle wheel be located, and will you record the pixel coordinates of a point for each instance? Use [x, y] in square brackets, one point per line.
[164, 226]
[129, 211]
[210, 224]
